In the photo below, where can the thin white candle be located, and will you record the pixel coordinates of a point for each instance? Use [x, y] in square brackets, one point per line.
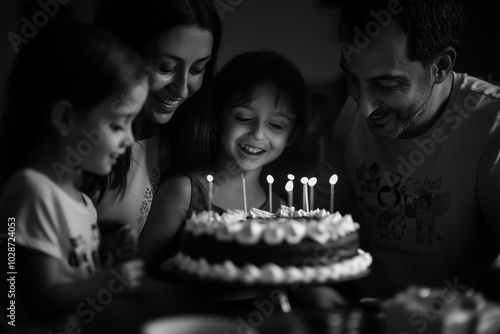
[210, 191]
[210, 195]
[312, 183]
[291, 177]
[333, 179]
[270, 180]
[244, 192]
[305, 200]
[289, 189]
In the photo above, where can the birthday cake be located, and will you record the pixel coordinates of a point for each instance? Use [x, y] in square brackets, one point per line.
[285, 247]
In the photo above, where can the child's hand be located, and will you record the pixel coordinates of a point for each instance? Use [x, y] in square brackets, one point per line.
[132, 273]
[125, 244]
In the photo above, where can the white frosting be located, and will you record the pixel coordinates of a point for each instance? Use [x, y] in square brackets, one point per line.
[292, 275]
[286, 211]
[274, 234]
[223, 233]
[231, 270]
[318, 232]
[271, 273]
[250, 233]
[281, 228]
[295, 232]
[232, 216]
[249, 274]
[257, 213]
[203, 268]
[323, 273]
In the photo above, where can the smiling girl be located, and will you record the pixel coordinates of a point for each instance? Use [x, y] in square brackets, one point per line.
[260, 105]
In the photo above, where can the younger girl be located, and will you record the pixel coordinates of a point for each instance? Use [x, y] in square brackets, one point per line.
[260, 106]
[72, 95]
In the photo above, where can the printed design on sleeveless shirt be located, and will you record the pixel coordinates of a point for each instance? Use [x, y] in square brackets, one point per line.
[78, 255]
[147, 197]
[395, 201]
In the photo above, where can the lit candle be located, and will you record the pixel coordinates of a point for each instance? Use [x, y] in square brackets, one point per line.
[270, 180]
[289, 189]
[244, 192]
[312, 183]
[210, 191]
[305, 201]
[210, 195]
[291, 177]
[333, 179]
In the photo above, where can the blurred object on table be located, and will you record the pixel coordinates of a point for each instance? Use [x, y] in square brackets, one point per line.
[441, 311]
[284, 323]
[194, 324]
[488, 284]
[363, 317]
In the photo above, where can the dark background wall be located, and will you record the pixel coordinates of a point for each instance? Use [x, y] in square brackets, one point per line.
[303, 30]
[479, 54]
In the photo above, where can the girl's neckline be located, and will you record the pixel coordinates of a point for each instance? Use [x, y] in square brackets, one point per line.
[84, 201]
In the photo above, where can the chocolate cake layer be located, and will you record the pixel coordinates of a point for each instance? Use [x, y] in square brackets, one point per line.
[307, 253]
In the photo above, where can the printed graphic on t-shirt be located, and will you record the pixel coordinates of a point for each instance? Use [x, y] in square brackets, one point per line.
[394, 202]
[96, 240]
[78, 256]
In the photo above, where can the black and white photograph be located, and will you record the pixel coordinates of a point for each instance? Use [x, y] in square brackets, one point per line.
[250, 166]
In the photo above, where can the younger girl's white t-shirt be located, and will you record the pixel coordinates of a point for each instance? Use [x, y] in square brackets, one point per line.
[48, 220]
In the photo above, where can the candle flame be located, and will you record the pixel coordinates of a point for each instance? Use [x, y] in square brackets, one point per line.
[289, 186]
[334, 179]
[312, 181]
[270, 179]
[291, 177]
[304, 180]
[210, 178]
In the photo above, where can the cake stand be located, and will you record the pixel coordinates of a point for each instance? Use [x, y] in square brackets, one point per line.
[282, 288]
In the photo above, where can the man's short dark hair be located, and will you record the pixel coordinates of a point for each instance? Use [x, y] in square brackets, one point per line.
[431, 25]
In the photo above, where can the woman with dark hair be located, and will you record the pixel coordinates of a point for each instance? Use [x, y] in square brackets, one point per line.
[179, 41]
